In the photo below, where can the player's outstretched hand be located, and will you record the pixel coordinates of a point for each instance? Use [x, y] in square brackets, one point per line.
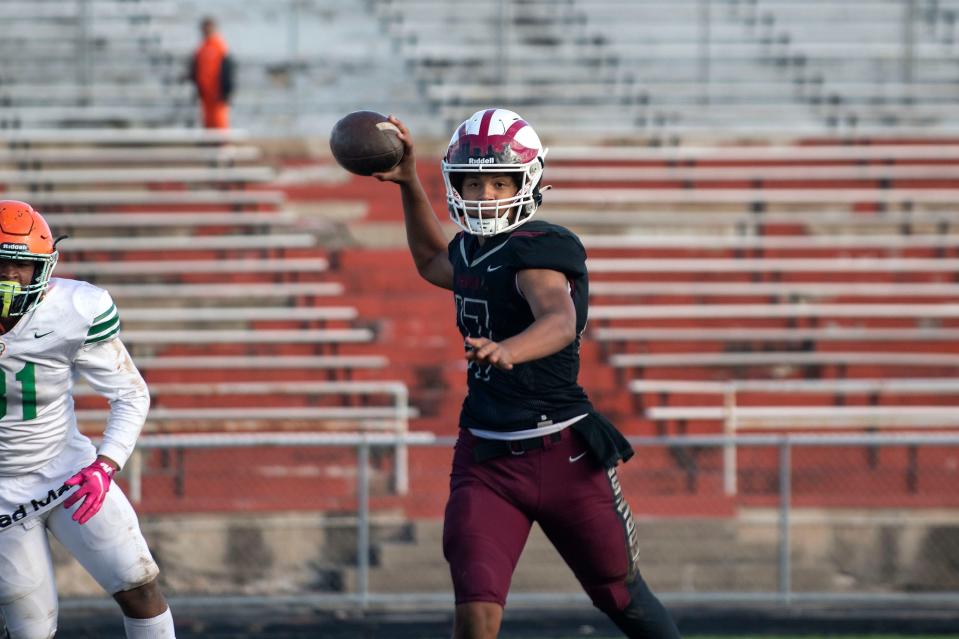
[484, 351]
[94, 482]
[405, 171]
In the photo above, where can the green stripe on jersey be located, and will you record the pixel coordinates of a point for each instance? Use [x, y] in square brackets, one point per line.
[104, 336]
[102, 316]
[104, 326]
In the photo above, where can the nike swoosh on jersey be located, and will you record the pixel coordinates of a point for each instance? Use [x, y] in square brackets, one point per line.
[37, 335]
[490, 268]
[577, 458]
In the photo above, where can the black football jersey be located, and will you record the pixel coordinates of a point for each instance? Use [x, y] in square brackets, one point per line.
[489, 304]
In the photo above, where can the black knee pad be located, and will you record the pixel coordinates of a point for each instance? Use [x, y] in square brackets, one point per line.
[643, 617]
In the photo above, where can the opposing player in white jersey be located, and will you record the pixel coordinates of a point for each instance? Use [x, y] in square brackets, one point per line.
[52, 478]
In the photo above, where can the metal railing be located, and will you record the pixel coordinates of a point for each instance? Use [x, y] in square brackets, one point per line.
[735, 417]
[362, 442]
[394, 423]
[777, 508]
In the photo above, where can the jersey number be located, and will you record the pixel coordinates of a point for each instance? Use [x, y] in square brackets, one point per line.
[474, 317]
[28, 391]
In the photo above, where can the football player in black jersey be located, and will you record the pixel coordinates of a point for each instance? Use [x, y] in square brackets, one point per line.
[531, 446]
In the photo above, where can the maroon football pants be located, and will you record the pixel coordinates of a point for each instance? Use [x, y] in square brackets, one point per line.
[579, 505]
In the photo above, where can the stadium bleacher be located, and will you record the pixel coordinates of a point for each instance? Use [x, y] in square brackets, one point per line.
[228, 301]
[685, 67]
[224, 295]
[766, 190]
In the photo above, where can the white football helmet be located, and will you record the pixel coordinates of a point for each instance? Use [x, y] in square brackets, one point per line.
[494, 141]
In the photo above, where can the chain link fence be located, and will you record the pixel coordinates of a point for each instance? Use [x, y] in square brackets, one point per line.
[317, 518]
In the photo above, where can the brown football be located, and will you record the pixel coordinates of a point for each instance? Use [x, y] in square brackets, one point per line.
[365, 142]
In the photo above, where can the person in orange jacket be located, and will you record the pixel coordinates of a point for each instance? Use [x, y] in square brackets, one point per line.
[212, 75]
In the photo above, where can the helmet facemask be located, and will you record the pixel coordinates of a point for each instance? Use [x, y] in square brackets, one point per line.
[494, 141]
[25, 237]
[489, 217]
[17, 300]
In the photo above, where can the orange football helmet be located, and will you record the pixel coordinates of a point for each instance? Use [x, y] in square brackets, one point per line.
[25, 236]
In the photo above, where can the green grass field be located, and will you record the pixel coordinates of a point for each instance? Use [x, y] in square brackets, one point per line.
[837, 636]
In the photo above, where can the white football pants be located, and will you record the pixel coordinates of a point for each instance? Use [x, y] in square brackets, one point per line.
[110, 547]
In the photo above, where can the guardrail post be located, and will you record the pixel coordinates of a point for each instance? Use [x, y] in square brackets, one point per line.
[705, 38]
[908, 55]
[84, 56]
[785, 490]
[503, 35]
[401, 455]
[295, 57]
[729, 448]
[363, 522]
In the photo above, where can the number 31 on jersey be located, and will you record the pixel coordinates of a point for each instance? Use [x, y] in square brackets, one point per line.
[27, 379]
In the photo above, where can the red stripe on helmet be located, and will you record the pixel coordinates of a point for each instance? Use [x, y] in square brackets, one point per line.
[484, 143]
[459, 137]
[515, 127]
[523, 153]
[482, 136]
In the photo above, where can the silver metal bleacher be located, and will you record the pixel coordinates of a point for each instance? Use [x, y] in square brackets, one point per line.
[92, 108]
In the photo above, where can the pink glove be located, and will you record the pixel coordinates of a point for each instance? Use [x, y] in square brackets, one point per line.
[94, 482]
